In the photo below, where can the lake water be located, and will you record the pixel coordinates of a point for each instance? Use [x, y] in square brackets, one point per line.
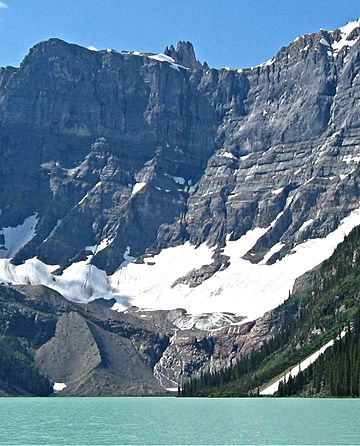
[173, 421]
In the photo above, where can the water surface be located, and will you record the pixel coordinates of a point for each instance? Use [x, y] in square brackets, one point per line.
[174, 421]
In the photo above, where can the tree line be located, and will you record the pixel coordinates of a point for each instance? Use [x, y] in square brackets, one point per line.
[335, 373]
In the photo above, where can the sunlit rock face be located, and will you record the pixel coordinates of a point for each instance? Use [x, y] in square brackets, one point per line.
[113, 157]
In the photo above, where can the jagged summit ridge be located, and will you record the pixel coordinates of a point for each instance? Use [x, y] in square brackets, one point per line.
[184, 55]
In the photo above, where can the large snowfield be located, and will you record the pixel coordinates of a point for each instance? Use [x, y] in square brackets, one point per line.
[243, 288]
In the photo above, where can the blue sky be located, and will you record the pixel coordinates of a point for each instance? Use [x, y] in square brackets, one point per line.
[233, 33]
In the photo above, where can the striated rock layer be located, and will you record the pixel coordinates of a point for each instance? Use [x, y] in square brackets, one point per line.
[107, 157]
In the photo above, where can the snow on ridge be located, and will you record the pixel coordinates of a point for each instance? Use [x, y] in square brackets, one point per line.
[267, 63]
[243, 288]
[88, 193]
[17, 237]
[345, 32]
[347, 29]
[161, 57]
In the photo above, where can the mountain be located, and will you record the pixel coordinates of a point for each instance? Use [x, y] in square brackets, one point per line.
[87, 349]
[325, 307]
[112, 157]
[157, 183]
[93, 350]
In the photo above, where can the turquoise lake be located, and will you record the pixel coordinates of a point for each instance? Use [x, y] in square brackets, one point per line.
[174, 421]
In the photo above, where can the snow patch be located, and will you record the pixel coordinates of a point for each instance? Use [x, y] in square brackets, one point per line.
[161, 57]
[178, 180]
[100, 246]
[228, 155]
[324, 42]
[17, 237]
[306, 224]
[276, 248]
[268, 63]
[238, 248]
[104, 243]
[270, 390]
[277, 191]
[58, 223]
[127, 257]
[137, 188]
[345, 33]
[58, 387]
[351, 159]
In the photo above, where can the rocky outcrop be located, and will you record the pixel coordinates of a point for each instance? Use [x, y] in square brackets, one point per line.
[184, 55]
[94, 350]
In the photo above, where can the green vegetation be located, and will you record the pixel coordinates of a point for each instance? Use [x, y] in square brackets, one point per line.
[17, 372]
[335, 373]
[308, 320]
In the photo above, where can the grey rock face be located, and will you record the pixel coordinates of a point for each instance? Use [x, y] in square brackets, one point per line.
[112, 150]
[72, 353]
[90, 348]
[97, 351]
[184, 55]
[193, 351]
[217, 152]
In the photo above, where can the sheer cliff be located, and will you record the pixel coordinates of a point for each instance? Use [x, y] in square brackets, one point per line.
[112, 163]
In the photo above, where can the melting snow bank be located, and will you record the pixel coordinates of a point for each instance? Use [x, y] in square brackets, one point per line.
[270, 390]
[243, 288]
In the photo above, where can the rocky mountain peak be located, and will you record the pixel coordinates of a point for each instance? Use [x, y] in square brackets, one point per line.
[195, 163]
[184, 54]
[51, 47]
